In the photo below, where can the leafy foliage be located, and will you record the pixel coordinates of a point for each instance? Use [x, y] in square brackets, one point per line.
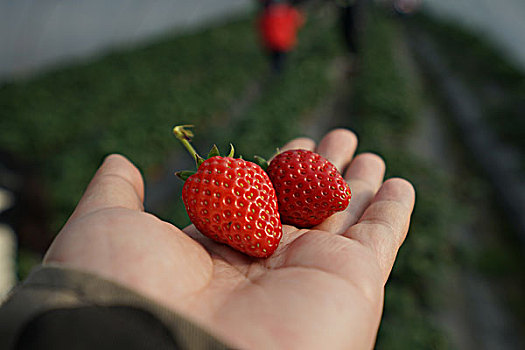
[66, 121]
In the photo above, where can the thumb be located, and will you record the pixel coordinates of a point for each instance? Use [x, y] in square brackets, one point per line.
[117, 183]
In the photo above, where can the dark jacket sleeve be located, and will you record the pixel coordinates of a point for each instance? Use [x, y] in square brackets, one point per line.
[60, 308]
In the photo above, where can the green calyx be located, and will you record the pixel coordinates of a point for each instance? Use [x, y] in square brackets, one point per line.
[260, 161]
[184, 135]
[263, 163]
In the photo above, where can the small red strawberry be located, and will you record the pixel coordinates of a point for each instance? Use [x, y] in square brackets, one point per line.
[309, 188]
[231, 201]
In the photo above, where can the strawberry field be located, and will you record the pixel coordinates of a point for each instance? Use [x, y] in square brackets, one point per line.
[61, 125]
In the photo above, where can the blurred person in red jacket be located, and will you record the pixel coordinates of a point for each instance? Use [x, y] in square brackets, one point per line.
[278, 26]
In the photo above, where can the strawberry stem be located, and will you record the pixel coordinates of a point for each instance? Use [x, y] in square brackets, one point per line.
[184, 136]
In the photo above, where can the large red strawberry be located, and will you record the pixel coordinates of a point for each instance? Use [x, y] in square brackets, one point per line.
[232, 201]
[309, 188]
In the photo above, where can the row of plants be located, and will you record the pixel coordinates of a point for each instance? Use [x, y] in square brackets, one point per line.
[63, 123]
[499, 86]
[498, 82]
[387, 101]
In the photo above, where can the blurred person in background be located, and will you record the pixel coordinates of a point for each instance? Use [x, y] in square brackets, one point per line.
[278, 24]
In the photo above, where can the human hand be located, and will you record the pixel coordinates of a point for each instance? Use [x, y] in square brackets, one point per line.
[322, 288]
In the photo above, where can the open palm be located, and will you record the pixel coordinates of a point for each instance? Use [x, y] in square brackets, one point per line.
[322, 288]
